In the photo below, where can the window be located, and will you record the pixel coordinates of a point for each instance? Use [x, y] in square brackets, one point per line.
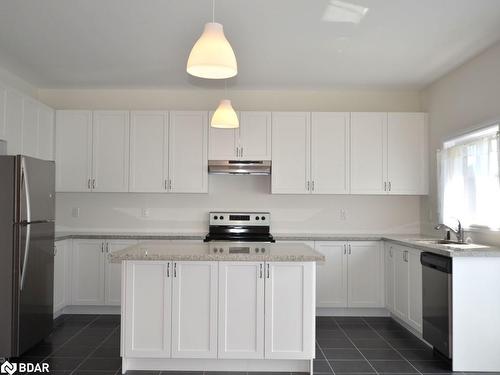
[469, 179]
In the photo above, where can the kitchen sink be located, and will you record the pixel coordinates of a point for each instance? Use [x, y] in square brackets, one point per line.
[441, 242]
[452, 244]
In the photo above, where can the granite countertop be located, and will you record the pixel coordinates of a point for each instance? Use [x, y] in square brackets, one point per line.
[60, 236]
[218, 251]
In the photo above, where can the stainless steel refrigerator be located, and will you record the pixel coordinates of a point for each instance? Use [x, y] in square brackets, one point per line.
[27, 213]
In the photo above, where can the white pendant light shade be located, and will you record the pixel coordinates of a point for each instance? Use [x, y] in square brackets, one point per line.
[212, 56]
[225, 116]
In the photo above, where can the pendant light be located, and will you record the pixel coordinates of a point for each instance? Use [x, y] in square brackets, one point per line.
[212, 56]
[225, 116]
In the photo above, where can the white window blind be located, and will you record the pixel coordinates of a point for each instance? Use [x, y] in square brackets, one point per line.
[469, 179]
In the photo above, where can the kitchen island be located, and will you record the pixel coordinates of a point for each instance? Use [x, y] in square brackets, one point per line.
[218, 306]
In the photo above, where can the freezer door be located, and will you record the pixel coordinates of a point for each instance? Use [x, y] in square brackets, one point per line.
[35, 284]
[36, 190]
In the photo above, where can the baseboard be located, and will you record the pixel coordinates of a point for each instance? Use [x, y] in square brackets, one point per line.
[341, 311]
[89, 310]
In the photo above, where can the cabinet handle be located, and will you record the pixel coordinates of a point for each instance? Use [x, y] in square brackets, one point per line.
[385, 186]
[168, 269]
[345, 249]
[312, 185]
[175, 269]
[55, 250]
[237, 151]
[307, 185]
[165, 184]
[88, 183]
[102, 247]
[390, 251]
[349, 249]
[107, 247]
[267, 264]
[93, 183]
[170, 185]
[260, 270]
[241, 151]
[389, 185]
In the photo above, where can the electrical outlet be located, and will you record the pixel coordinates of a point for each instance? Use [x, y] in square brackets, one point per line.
[343, 215]
[75, 212]
[145, 212]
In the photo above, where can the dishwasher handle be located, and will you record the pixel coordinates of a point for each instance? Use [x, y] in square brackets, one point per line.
[438, 262]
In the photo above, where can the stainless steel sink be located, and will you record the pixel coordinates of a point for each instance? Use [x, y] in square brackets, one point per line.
[441, 242]
[452, 244]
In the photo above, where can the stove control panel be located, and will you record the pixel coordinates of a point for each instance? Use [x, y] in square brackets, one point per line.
[240, 218]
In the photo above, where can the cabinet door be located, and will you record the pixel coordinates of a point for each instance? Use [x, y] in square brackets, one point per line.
[113, 273]
[331, 282]
[241, 310]
[415, 289]
[401, 280]
[45, 132]
[255, 135]
[407, 153]
[389, 277]
[3, 97]
[194, 310]
[188, 164]
[148, 314]
[222, 143]
[329, 153]
[61, 275]
[13, 122]
[73, 151]
[291, 153]
[110, 150]
[30, 127]
[88, 272]
[290, 305]
[365, 270]
[148, 151]
[368, 153]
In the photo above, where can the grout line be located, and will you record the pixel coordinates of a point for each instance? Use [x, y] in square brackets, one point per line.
[352, 342]
[324, 358]
[394, 348]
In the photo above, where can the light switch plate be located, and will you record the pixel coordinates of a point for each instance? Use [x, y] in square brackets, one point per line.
[75, 212]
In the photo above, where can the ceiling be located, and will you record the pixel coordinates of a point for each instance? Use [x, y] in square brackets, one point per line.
[279, 44]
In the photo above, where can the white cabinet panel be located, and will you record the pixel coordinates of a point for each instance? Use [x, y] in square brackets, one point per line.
[30, 127]
[368, 152]
[241, 310]
[255, 135]
[148, 313]
[331, 283]
[13, 122]
[112, 284]
[3, 97]
[289, 316]
[62, 268]
[291, 152]
[407, 153]
[148, 151]
[389, 277]
[329, 153]
[194, 310]
[365, 282]
[188, 163]
[222, 143]
[73, 151]
[46, 132]
[415, 289]
[401, 282]
[88, 272]
[110, 162]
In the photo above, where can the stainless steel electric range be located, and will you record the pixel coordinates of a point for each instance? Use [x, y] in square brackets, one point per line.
[239, 227]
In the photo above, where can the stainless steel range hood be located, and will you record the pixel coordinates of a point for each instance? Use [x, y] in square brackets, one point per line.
[240, 167]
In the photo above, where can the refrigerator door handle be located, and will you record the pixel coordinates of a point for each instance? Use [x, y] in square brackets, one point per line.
[25, 181]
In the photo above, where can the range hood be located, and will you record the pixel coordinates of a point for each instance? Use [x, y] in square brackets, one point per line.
[261, 168]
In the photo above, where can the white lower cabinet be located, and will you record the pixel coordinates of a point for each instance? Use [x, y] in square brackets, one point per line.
[405, 285]
[289, 310]
[241, 310]
[62, 268]
[113, 272]
[389, 276]
[352, 275]
[194, 310]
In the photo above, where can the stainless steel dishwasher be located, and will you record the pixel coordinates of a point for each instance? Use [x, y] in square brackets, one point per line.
[437, 302]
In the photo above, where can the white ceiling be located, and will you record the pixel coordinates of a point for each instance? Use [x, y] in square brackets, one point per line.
[278, 43]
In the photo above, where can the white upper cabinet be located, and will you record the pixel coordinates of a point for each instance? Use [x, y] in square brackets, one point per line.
[188, 162]
[222, 143]
[45, 132]
[13, 122]
[148, 151]
[407, 153]
[330, 153]
[30, 128]
[255, 136]
[3, 96]
[110, 161]
[368, 150]
[291, 133]
[73, 151]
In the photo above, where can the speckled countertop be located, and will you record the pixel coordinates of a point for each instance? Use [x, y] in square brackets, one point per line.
[218, 251]
[410, 240]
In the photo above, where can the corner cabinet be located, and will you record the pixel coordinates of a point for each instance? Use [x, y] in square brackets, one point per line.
[62, 281]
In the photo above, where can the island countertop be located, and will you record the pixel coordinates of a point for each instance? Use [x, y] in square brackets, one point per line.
[218, 251]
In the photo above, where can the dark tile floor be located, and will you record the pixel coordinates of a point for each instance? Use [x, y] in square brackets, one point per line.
[89, 345]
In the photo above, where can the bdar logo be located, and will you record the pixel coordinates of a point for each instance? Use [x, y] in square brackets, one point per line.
[8, 368]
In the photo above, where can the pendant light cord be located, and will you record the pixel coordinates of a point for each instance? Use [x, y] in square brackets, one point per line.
[213, 11]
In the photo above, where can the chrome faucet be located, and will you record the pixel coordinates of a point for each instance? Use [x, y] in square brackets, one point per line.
[459, 232]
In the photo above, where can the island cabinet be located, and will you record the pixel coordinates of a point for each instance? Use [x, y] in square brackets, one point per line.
[217, 310]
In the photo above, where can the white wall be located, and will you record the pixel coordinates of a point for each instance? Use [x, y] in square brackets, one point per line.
[189, 212]
[12, 81]
[463, 99]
